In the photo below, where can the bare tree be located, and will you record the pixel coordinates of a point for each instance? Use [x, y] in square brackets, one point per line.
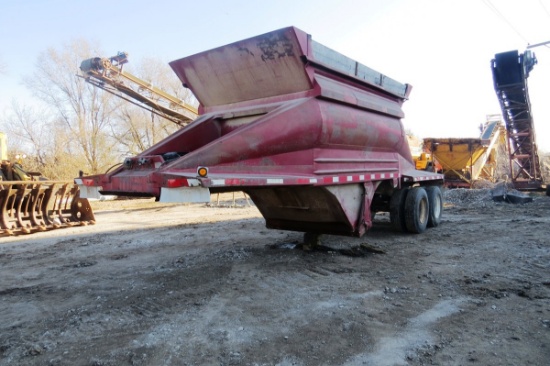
[34, 136]
[83, 127]
[25, 128]
[138, 129]
[82, 111]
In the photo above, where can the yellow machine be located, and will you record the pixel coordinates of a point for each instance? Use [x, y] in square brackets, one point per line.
[30, 202]
[422, 160]
[465, 160]
[426, 162]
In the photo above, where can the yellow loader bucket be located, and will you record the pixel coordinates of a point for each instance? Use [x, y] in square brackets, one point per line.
[31, 206]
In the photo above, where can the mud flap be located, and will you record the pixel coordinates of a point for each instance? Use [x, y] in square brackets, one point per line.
[87, 191]
[185, 195]
[364, 222]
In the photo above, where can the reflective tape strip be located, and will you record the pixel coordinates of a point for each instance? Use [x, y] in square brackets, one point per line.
[218, 182]
[326, 180]
[430, 177]
[193, 182]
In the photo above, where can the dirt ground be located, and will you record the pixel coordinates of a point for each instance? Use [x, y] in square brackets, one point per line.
[154, 284]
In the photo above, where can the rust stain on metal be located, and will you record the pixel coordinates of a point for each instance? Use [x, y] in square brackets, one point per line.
[275, 46]
[246, 50]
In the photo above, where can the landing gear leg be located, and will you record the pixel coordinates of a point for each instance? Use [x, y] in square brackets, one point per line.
[311, 240]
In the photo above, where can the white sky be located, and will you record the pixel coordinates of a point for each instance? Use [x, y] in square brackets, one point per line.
[441, 47]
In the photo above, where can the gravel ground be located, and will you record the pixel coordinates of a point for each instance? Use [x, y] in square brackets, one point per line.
[154, 284]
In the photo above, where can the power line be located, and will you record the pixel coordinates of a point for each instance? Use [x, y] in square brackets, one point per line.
[547, 43]
[544, 7]
[503, 18]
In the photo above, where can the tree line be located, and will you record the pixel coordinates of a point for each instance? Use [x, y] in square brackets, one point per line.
[76, 126]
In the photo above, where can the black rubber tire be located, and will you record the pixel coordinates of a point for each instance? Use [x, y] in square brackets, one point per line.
[417, 210]
[435, 201]
[397, 209]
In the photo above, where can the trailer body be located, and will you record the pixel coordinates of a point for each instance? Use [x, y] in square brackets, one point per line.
[314, 137]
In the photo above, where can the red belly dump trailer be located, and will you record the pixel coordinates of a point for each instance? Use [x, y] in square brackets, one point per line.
[312, 136]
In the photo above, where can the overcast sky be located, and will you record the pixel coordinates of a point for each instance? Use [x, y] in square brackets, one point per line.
[441, 47]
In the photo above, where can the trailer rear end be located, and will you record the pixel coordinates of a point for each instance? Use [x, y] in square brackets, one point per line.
[312, 136]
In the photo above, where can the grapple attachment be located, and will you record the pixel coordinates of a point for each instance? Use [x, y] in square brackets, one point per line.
[31, 206]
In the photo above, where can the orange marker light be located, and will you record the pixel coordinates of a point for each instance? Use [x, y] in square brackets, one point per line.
[202, 171]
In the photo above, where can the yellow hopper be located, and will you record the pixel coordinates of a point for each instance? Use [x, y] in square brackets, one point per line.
[465, 160]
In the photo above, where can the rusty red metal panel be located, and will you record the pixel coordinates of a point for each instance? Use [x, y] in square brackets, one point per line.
[282, 62]
[309, 133]
[264, 66]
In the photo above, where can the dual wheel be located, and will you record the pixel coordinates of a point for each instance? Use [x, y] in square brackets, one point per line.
[416, 209]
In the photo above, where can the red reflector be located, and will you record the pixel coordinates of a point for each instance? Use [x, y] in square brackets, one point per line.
[88, 182]
[176, 182]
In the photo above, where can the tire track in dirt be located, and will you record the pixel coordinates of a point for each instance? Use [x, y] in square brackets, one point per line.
[393, 350]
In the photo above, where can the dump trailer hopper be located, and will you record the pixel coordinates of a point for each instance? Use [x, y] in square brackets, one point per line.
[466, 160]
[314, 138]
